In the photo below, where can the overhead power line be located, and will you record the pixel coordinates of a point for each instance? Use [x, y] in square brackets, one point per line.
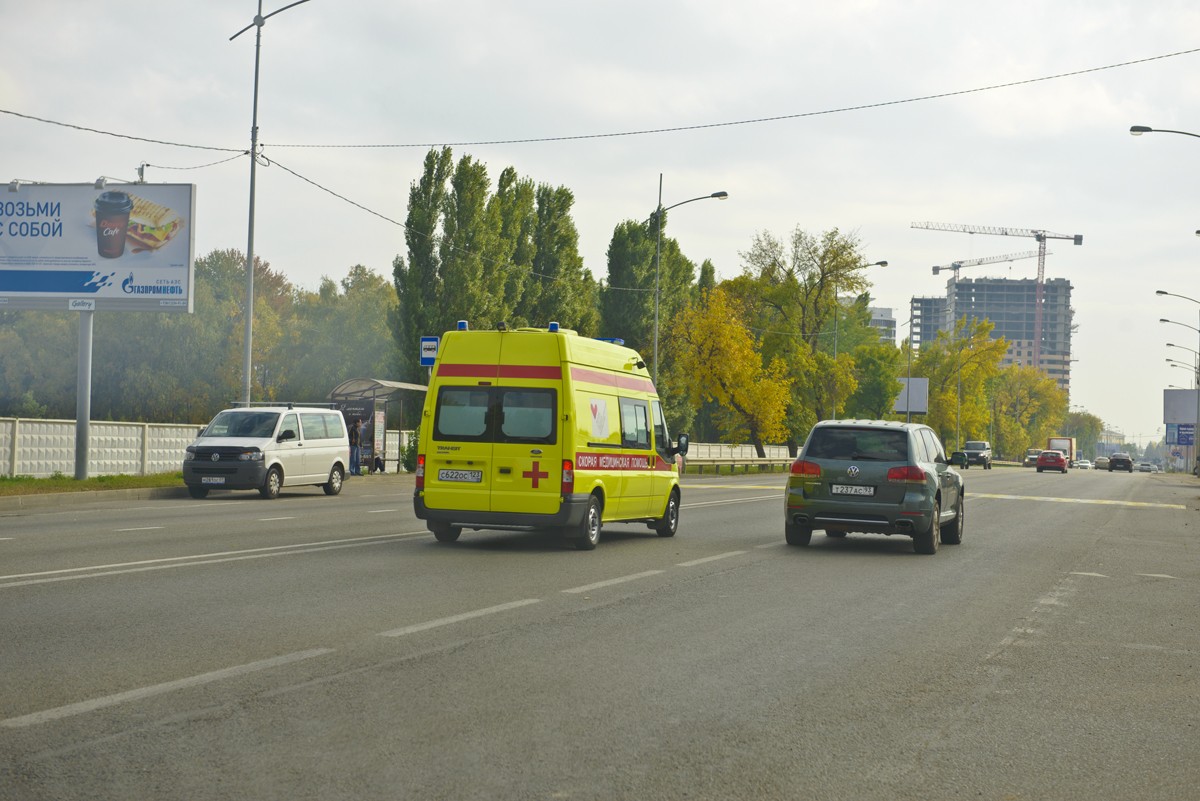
[641, 132]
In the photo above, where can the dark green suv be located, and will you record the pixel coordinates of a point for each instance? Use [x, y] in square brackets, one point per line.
[879, 477]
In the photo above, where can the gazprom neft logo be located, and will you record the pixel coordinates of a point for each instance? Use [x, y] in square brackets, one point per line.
[130, 288]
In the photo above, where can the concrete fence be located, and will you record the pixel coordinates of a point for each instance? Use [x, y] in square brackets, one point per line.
[42, 448]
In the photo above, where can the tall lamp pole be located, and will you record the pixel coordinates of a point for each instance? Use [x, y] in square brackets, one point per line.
[247, 359]
[1196, 424]
[658, 216]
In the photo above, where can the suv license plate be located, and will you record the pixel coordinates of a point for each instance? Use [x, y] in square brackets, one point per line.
[469, 476]
[851, 489]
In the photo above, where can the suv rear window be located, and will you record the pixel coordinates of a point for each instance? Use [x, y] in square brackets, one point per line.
[975, 446]
[864, 444]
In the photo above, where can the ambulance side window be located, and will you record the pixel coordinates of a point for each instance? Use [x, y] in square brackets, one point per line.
[635, 423]
[462, 414]
[527, 415]
[662, 440]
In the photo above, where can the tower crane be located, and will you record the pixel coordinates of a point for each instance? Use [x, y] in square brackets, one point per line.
[1038, 234]
[957, 265]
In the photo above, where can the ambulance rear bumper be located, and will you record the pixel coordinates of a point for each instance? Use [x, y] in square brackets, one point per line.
[569, 515]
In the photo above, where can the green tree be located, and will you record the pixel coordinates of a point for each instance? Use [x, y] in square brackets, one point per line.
[959, 365]
[1027, 407]
[878, 364]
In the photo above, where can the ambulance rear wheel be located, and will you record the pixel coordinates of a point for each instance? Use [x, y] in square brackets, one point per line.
[668, 524]
[588, 535]
[445, 532]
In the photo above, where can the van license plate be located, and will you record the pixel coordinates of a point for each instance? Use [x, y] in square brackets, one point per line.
[851, 489]
[212, 479]
[470, 476]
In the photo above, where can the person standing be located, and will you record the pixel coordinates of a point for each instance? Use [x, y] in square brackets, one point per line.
[356, 447]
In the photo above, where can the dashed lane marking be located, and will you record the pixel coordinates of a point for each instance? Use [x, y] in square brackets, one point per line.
[446, 621]
[1097, 501]
[610, 582]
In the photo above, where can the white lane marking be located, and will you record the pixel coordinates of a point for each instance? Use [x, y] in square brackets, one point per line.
[446, 621]
[1156, 575]
[47, 715]
[273, 519]
[733, 486]
[7, 539]
[379, 511]
[1100, 502]
[52, 576]
[143, 528]
[732, 500]
[610, 582]
[1096, 575]
[695, 562]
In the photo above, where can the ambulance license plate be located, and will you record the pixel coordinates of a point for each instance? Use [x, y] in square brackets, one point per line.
[212, 479]
[851, 489]
[469, 476]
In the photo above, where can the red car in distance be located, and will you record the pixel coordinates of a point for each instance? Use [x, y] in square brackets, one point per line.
[1052, 460]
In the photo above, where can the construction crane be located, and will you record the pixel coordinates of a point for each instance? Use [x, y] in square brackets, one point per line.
[957, 265]
[1038, 234]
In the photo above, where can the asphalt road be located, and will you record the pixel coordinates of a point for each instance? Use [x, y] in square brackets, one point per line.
[329, 648]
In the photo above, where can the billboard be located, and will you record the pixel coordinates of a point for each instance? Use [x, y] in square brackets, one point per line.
[126, 247]
[1179, 406]
[913, 397]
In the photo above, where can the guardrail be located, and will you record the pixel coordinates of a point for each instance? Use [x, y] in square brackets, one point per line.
[765, 465]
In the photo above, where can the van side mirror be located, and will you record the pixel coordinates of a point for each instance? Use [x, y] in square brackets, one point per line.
[682, 445]
[285, 435]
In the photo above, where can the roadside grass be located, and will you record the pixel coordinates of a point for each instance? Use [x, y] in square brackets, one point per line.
[28, 485]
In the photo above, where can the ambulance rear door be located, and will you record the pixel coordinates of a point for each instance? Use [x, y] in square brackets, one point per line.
[459, 458]
[527, 449]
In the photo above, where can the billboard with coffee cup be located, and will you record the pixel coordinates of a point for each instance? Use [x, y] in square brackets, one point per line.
[125, 248]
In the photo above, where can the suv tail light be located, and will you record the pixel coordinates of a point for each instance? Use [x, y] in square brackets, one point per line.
[909, 474]
[420, 474]
[806, 469]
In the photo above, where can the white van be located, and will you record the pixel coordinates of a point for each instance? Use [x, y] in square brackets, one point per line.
[269, 447]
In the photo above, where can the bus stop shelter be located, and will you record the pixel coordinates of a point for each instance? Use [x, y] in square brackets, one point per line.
[368, 399]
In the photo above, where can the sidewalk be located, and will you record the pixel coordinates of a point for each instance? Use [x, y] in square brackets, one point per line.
[10, 503]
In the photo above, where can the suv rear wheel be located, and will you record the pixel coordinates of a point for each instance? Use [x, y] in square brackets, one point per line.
[797, 535]
[927, 541]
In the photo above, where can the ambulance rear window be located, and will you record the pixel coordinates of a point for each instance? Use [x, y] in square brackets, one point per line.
[496, 414]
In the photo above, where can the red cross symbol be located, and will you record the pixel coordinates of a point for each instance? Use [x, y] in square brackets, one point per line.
[535, 475]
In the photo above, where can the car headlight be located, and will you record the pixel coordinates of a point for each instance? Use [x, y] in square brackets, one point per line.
[250, 456]
[189, 455]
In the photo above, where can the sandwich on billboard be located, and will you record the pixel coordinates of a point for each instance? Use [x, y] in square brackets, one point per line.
[72, 247]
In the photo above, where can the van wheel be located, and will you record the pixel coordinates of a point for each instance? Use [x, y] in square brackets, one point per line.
[197, 492]
[336, 478]
[588, 534]
[668, 524]
[444, 532]
[270, 488]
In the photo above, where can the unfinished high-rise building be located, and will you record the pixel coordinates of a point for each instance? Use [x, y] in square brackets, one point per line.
[1011, 306]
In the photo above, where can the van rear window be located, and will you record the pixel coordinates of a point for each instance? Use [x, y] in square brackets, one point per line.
[496, 414]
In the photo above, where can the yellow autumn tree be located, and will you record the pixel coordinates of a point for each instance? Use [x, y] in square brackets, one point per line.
[717, 359]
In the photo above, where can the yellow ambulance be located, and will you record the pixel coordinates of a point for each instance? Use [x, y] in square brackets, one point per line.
[540, 428]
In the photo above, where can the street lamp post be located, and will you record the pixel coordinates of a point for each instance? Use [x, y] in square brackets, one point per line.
[722, 195]
[247, 358]
[1196, 374]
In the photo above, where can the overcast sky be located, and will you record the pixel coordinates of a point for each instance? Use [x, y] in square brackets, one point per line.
[799, 110]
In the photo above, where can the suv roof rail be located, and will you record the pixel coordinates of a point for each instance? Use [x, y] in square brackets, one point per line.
[284, 404]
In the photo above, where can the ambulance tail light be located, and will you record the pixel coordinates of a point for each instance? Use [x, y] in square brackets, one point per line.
[420, 473]
[568, 477]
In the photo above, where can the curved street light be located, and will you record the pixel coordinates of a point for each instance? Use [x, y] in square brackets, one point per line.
[247, 358]
[1138, 130]
[1195, 370]
[721, 195]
